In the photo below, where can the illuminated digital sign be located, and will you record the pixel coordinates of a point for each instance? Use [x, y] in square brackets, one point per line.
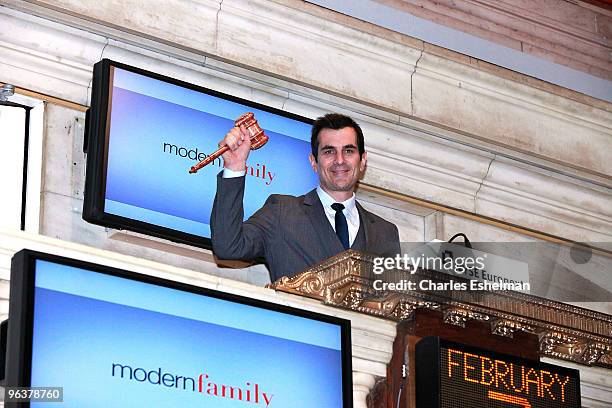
[452, 375]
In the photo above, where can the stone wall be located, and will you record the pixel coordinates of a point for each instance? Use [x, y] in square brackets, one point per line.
[572, 33]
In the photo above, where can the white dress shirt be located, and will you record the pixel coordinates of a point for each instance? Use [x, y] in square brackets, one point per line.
[229, 173]
[350, 212]
[350, 209]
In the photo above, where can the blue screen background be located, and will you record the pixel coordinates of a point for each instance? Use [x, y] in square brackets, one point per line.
[148, 181]
[80, 330]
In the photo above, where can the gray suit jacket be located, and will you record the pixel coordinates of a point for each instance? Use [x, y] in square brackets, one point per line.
[291, 233]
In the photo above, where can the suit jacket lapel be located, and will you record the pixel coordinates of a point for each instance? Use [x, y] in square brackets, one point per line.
[367, 223]
[328, 240]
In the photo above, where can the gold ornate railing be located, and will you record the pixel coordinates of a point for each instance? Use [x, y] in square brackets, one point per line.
[564, 331]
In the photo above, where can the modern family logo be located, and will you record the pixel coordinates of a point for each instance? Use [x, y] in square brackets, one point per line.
[250, 392]
[259, 171]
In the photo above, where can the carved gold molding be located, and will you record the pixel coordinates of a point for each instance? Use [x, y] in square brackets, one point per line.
[564, 331]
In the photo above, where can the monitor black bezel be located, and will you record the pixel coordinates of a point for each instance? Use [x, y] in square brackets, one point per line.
[96, 140]
[21, 314]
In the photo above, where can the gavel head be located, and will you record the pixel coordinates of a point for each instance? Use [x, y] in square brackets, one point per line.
[258, 137]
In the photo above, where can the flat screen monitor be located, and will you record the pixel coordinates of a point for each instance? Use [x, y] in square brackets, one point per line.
[113, 338]
[144, 132]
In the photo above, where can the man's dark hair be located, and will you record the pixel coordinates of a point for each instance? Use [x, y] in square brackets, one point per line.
[334, 121]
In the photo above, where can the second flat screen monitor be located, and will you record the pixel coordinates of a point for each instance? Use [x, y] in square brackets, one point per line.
[152, 129]
[114, 338]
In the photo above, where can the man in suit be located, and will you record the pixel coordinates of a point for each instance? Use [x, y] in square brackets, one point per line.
[294, 233]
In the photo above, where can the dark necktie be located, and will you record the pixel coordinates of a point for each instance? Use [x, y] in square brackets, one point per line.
[341, 225]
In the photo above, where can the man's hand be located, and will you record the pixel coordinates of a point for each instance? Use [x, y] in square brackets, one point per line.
[239, 142]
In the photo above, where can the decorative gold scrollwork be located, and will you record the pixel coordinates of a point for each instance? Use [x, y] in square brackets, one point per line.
[458, 317]
[507, 328]
[565, 332]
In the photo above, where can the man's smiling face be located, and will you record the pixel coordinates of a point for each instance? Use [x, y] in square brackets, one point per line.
[338, 164]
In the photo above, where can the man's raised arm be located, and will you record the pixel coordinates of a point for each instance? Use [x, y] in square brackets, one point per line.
[231, 238]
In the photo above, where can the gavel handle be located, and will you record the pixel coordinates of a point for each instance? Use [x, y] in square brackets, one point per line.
[209, 159]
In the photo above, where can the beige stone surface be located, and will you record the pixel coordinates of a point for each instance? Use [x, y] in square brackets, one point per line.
[604, 27]
[307, 51]
[568, 33]
[412, 227]
[60, 161]
[42, 61]
[513, 115]
[188, 23]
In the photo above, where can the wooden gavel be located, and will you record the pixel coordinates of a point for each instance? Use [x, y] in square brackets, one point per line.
[257, 135]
